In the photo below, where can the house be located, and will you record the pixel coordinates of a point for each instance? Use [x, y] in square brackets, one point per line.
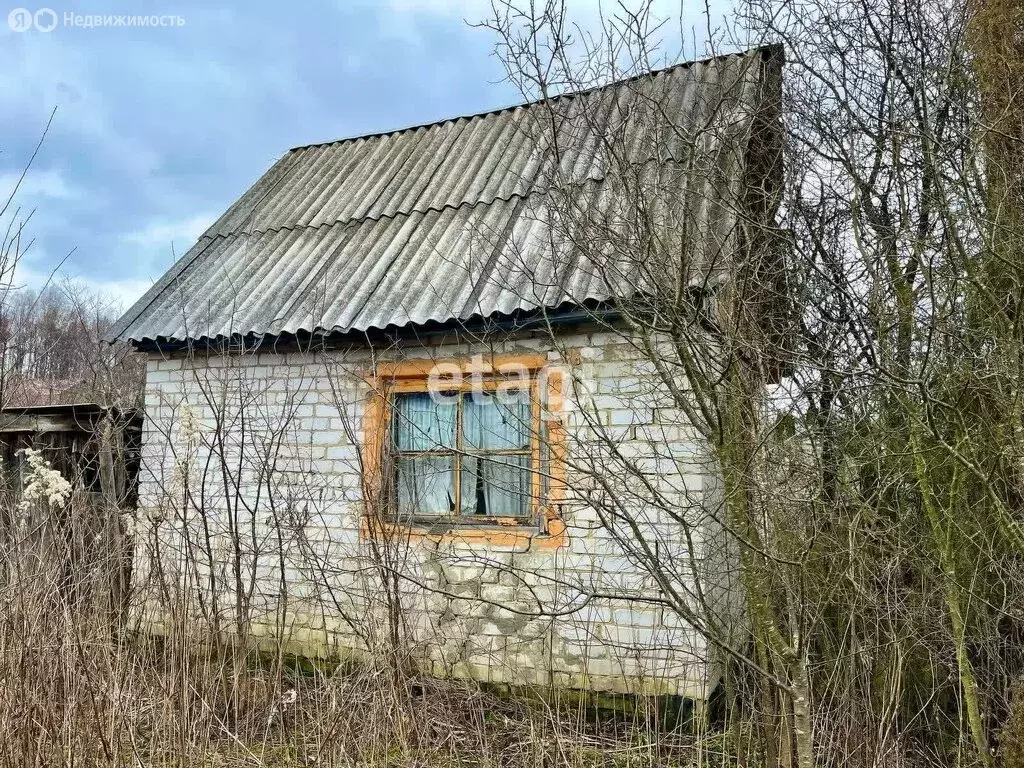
[383, 387]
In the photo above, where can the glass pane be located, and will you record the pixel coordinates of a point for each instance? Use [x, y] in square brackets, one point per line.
[426, 485]
[421, 424]
[496, 487]
[496, 422]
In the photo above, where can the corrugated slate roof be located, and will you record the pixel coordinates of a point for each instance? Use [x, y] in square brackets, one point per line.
[450, 220]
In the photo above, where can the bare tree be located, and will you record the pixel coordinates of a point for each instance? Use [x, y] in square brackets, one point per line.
[52, 348]
[858, 397]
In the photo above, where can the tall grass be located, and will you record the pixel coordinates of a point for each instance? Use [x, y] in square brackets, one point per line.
[80, 687]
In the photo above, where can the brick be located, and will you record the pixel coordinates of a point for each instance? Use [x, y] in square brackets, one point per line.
[340, 453]
[498, 594]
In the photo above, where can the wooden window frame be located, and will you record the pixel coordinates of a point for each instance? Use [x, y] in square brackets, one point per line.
[543, 527]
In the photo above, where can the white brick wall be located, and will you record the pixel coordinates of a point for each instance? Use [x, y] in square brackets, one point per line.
[291, 428]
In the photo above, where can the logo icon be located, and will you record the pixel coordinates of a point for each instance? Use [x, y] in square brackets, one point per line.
[20, 19]
[46, 19]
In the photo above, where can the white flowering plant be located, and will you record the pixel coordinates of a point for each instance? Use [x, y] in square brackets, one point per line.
[43, 482]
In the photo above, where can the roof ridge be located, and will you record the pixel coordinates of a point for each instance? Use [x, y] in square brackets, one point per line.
[766, 48]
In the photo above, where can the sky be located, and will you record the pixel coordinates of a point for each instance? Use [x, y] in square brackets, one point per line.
[158, 129]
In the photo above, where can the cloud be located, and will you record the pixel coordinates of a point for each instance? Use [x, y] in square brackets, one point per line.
[444, 7]
[119, 294]
[159, 233]
[38, 185]
[586, 13]
[590, 8]
[145, 253]
[677, 30]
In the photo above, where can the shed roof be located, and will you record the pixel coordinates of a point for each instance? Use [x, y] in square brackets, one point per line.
[66, 417]
[449, 221]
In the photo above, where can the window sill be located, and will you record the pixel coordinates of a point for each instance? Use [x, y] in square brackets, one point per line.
[514, 534]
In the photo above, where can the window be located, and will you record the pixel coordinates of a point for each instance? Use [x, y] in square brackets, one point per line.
[462, 455]
[480, 459]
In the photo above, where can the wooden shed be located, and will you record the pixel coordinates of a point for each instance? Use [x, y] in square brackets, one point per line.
[95, 447]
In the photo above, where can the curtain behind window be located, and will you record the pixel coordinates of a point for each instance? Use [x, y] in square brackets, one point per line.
[497, 485]
[426, 484]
